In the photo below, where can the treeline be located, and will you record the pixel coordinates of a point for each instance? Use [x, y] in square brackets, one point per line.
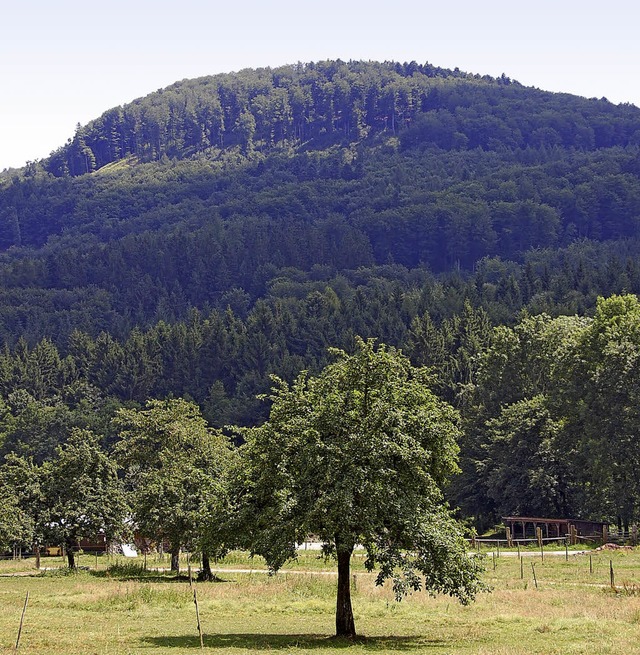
[548, 407]
[551, 420]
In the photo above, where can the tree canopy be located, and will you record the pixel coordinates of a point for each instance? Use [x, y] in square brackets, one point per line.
[359, 455]
[175, 468]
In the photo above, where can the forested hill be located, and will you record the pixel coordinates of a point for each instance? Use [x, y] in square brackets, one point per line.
[224, 229]
[314, 105]
[283, 211]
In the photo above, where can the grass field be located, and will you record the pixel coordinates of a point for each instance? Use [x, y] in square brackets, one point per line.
[121, 610]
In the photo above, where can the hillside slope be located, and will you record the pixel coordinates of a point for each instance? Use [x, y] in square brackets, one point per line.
[221, 191]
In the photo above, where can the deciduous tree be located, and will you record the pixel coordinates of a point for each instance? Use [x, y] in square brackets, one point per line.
[82, 494]
[175, 468]
[359, 455]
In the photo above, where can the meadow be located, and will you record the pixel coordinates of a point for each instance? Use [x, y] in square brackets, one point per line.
[121, 609]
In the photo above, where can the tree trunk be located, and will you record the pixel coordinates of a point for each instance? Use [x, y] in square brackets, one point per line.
[36, 552]
[206, 575]
[345, 625]
[71, 555]
[175, 558]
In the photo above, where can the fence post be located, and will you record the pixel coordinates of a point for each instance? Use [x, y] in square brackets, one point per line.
[533, 569]
[195, 601]
[24, 611]
[574, 535]
[509, 541]
[613, 580]
[605, 534]
[539, 536]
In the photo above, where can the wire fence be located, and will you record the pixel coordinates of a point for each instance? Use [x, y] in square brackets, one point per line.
[630, 537]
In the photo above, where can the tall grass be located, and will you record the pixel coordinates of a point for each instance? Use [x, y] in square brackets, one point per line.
[124, 610]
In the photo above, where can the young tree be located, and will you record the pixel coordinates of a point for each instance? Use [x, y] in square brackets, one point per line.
[82, 494]
[358, 455]
[175, 469]
[21, 504]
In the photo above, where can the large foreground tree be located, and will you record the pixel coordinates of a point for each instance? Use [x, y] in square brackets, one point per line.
[359, 455]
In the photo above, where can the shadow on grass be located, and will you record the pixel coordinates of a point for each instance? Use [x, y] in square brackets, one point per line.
[285, 642]
[146, 576]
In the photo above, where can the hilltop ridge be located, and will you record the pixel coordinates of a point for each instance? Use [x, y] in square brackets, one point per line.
[317, 104]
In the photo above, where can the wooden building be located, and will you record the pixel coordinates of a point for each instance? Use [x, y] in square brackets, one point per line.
[523, 527]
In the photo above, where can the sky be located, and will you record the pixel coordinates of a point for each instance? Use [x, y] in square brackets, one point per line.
[68, 61]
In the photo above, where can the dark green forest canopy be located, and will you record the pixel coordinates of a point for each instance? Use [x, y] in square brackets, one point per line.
[198, 240]
[299, 206]
[223, 183]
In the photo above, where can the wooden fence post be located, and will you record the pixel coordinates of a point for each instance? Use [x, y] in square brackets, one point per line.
[574, 535]
[509, 541]
[611, 575]
[605, 534]
[24, 611]
[195, 601]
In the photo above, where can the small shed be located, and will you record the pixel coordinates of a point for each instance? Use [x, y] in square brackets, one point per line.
[525, 526]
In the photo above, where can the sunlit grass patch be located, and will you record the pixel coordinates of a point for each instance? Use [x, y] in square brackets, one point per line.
[572, 611]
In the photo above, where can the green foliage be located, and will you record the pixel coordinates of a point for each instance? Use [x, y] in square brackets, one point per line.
[23, 511]
[359, 454]
[82, 493]
[552, 421]
[73, 496]
[175, 470]
[16, 526]
[604, 390]
[525, 469]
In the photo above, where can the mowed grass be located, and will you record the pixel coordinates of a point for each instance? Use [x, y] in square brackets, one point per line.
[121, 612]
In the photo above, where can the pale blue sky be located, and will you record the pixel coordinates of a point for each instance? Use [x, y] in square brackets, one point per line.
[65, 62]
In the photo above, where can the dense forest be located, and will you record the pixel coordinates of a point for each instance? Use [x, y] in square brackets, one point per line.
[224, 229]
